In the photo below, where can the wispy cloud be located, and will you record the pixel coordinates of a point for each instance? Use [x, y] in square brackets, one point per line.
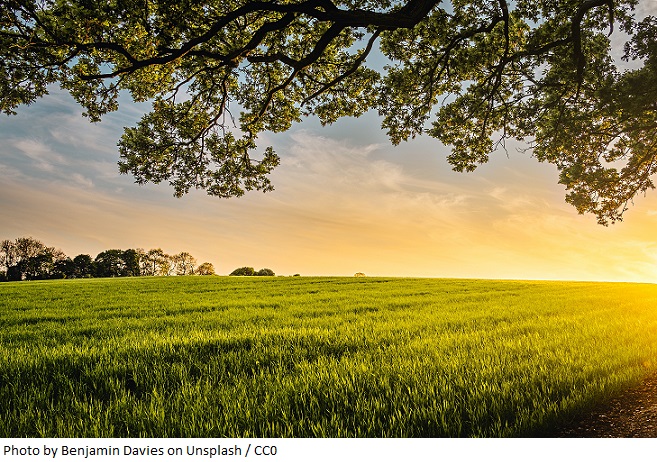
[42, 156]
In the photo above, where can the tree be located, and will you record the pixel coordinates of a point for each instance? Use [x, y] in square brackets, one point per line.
[116, 263]
[110, 264]
[265, 272]
[471, 73]
[8, 258]
[145, 263]
[166, 265]
[156, 262]
[84, 266]
[243, 271]
[184, 263]
[205, 269]
[48, 263]
[25, 255]
[249, 271]
[132, 259]
[63, 268]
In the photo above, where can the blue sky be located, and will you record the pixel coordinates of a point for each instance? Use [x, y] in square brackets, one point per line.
[346, 201]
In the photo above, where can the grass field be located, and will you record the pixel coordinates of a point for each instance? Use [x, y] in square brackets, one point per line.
[329, 357]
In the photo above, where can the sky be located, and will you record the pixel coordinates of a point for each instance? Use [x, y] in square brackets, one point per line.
[345, 201]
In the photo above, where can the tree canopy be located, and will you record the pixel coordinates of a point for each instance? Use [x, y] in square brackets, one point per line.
[471, 73]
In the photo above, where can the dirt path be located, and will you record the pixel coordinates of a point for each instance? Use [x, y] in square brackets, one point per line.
[632, 415]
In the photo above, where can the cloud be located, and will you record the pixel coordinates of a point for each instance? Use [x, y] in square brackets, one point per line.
[318, 169]
[42, 156]
[81, 180]
[7, 171]
[323, 158]
[75, 132]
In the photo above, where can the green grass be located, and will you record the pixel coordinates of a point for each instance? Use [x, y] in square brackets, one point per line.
[304, 357]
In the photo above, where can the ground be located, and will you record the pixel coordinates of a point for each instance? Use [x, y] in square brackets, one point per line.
[630, 415]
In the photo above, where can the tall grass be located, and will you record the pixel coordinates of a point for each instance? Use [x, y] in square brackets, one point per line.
[329, 357]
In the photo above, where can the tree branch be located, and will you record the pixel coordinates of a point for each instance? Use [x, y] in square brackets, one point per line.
[576, 31]
[361, 58]
[407, 16]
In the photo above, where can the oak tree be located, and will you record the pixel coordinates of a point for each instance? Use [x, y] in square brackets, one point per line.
[471, 73]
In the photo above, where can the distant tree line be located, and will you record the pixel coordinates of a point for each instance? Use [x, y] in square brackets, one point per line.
[29, 259]
[249, 271]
